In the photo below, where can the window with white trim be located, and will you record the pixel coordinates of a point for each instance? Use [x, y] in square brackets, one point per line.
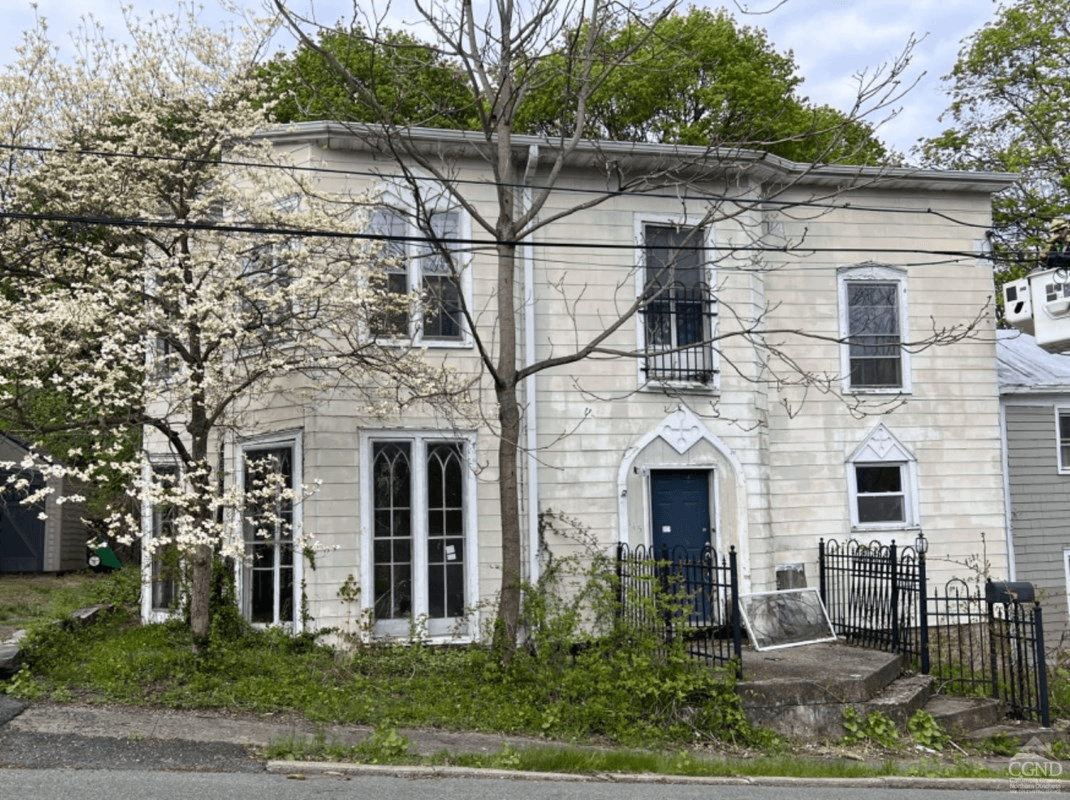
[882, 483]
[268, 571]
[423, 261]
[677, 310]
[267, 306]
[873, 329]
[1062, 432]
[1066, 568]
[166, 568]
[420, 525]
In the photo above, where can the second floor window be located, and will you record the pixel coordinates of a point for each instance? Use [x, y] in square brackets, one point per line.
[873, 329]
[422, 263]
[678, 312]
[267, 307]
[873, 334]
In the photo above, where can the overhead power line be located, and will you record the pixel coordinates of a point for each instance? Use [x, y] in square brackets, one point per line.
[473, 244]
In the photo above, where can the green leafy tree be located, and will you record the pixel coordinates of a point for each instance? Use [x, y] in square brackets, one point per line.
[1010, 103]
[402, 75]
[698, 79]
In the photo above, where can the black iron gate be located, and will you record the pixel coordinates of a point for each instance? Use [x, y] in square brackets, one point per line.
[685, 597]
[876, 596]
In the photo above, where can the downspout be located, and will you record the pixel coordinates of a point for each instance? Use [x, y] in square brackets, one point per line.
[531, 418]
[1012, 569]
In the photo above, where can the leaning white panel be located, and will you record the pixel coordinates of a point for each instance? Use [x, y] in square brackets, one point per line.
[785, 619]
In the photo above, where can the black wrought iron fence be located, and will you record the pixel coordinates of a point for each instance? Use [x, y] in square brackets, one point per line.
[985, 644]
[1016, 652]
[871, 592]
[958, 639]
[693, 598]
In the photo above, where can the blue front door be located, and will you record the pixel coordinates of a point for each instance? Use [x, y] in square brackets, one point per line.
[680, 501]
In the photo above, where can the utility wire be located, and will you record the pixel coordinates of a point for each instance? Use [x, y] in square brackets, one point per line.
[450, 242]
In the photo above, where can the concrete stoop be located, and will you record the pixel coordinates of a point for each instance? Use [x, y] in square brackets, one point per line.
[902, 698]
[9, 655]
[803, 691]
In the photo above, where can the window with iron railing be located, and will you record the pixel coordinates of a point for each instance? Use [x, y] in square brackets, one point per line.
[678, 310]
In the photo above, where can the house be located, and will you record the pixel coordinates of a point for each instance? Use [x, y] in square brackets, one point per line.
[1034, 390]
[48, 536]
[816, 360]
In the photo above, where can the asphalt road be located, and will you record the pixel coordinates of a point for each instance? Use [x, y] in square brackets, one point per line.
[137, 785]
[186, 763]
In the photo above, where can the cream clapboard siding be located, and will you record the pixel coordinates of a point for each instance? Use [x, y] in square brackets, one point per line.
[777, 454]
[949, 421]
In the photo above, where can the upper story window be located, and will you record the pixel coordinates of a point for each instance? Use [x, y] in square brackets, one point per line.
[873, 328]
[882, 483]
[422, 262]
[677, 316]
[267, 307]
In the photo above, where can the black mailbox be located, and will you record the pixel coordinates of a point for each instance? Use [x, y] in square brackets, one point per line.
[1009, 592]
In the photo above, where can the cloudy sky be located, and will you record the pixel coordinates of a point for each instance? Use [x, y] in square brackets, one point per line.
[833, 41]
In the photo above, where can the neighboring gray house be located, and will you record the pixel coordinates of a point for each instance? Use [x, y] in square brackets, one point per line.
[28, 542]
[1034, 390]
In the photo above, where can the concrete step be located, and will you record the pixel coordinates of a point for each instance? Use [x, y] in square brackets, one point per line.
[849, 674]
[1029, 736]
[802, 691]
[9, 659]
[902, 698]
[961, 715]
[9, 654]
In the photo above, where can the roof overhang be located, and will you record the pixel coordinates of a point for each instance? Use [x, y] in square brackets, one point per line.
[455, 145]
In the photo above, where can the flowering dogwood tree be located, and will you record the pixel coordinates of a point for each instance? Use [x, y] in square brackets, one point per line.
[162, 268]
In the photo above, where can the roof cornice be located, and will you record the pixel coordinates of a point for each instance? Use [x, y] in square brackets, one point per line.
[759, 166]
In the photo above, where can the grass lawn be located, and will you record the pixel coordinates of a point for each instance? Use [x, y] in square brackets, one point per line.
[28, 599]
[648, 710]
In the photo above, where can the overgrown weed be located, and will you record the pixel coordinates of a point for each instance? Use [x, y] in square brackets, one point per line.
[582, 676]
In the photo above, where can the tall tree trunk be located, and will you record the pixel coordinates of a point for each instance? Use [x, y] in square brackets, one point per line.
[508, 408]
[509, 505]
[200, 599]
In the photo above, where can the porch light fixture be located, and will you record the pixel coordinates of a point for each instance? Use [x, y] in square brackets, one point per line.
[921, 544]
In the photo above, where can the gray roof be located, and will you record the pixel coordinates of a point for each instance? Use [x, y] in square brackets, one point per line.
[1023, 367]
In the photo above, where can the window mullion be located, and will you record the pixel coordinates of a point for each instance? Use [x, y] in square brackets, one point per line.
[419, 529]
